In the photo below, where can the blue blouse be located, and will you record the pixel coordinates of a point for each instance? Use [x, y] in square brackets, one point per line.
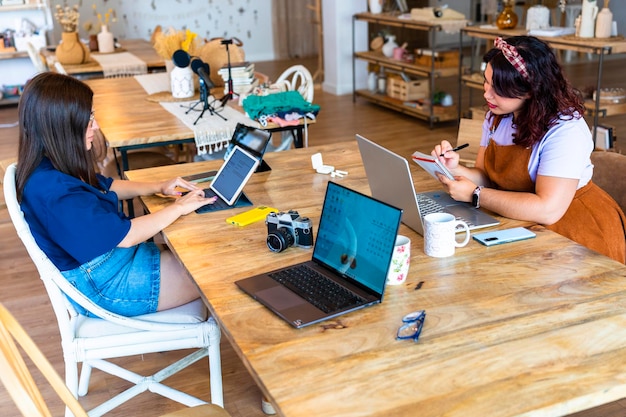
[71, 221]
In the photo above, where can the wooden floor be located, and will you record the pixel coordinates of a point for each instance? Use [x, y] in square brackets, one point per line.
[23, 294]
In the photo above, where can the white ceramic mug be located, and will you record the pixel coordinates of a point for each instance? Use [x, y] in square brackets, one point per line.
[440, 234]
[399, 266]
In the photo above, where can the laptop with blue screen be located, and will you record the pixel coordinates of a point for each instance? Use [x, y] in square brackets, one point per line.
[353, 249]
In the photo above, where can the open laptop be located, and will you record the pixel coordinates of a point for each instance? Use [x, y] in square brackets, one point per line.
[390, 180]
[353, 249]
[229, 181]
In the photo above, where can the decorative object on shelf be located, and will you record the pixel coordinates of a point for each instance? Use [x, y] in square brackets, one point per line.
[507, 19]
[377, 43]
[376, 6]
[93, 43]
[604, 22]
[389, 46]
[106, 44]
[372, 82]
[586, 28]
[537, 17]
[71, 50]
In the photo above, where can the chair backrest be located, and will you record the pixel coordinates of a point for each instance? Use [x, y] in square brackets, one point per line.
[57, 286]
[608, 169]
[16, 376]
[470, 131]
[60, 68]
[36, 58]
[297, 78]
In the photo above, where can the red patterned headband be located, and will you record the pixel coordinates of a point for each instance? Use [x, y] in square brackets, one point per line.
[511, 55]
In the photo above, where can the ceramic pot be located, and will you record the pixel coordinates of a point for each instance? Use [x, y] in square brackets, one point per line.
[604, 23]
[106, 44]
[507, 19]
[588, 19]
[376, 6]
[182, 82]
[389, 46]
[71, 51]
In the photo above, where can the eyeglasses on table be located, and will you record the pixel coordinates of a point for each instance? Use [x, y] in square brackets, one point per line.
[412, 327]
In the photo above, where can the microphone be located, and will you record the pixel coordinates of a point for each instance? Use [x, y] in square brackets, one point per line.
[181, 58]
[203, 71]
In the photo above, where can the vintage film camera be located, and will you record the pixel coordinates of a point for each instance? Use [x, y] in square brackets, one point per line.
[287, 229]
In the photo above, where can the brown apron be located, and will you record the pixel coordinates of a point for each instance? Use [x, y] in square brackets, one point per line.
[593, 219]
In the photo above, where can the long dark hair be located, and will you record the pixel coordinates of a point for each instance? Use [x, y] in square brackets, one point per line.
[550, 95]
[54, 113]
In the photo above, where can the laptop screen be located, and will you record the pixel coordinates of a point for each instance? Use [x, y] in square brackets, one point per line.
[249, 138]
[233, 175]
[356, 236]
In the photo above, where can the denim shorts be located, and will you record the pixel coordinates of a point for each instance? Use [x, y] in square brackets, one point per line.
[125, 281]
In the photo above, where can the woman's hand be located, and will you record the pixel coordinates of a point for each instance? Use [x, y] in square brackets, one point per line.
[193, 200]
[449, 159]
[169, 187]
[461, 189]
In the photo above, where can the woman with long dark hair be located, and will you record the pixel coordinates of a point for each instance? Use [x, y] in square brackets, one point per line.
[74, 212]
[534, 158]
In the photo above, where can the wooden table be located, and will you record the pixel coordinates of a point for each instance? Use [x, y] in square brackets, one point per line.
[532, 328]
[130, 121]
[141, 48]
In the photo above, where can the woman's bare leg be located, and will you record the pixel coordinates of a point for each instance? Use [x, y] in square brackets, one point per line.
[177, 288]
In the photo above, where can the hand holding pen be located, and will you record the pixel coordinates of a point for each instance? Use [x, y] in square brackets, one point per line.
[455, 149]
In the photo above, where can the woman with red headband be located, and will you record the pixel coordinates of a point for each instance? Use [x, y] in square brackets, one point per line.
[534, 158]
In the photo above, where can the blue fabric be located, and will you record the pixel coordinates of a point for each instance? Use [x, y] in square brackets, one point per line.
[125, 281]
[71, 221]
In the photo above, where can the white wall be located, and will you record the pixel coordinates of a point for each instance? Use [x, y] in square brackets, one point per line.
[337, 23]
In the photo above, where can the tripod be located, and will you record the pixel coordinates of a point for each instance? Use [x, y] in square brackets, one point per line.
[229, 95]
[204, 99]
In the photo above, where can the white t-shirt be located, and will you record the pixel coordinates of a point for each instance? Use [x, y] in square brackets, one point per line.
[563, 152]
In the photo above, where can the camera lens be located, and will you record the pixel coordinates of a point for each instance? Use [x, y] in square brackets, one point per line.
[279, 240]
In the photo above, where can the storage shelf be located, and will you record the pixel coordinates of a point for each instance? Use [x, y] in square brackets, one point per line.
[13, 54]
[406, 67]
[440, 114]
[21, 7]
[432, 71]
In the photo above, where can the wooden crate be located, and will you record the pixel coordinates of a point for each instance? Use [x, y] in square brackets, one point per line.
[443, 59]
[407, 90]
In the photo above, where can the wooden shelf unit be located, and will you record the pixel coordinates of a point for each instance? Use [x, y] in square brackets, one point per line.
[432, 114]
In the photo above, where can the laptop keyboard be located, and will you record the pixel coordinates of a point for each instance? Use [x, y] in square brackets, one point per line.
[319, 290]
[428, 206]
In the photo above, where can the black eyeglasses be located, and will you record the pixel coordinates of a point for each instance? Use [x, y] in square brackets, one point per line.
[412, 327]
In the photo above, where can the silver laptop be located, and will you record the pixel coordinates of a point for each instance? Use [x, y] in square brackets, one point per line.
[351, 255]
[390, 180]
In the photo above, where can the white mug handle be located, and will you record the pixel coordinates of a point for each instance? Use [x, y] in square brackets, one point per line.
[467, 234]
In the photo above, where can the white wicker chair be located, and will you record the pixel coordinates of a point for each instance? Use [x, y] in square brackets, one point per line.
[91, 341]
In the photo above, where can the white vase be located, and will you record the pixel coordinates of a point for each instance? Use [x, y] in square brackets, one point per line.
[588, 19]
[182, 82]
[604, 23]
[376, 6]
[106, 45]
[389, 46]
